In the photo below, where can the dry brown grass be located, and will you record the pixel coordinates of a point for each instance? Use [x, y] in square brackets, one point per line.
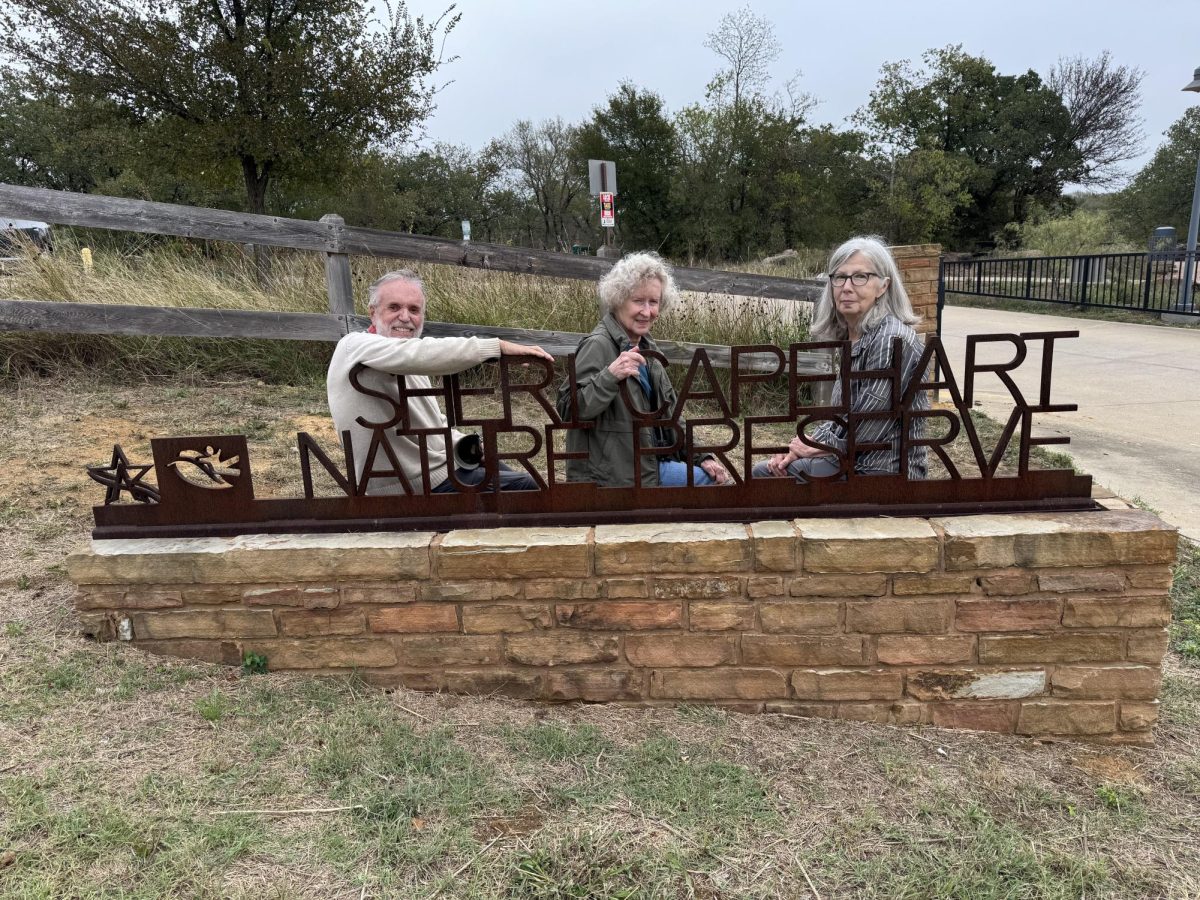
[117, 768]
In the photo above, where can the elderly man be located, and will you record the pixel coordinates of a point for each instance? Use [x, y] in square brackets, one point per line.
[366, 401]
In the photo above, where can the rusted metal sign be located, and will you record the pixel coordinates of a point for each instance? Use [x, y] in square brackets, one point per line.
[205, 487]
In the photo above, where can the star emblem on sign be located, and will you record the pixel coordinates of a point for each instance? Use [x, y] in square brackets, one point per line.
[120, 475]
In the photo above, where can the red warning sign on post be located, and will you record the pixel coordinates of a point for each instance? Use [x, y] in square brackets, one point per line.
[608, 218]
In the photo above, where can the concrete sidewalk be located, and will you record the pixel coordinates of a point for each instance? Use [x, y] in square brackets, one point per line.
[1137, 430]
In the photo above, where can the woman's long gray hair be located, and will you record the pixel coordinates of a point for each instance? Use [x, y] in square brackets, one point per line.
[828, 324]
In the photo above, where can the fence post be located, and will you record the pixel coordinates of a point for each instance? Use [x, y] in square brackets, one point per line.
[1083, 281]
[337, 269]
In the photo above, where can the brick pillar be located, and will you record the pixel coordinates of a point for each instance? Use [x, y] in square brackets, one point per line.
[919, 267]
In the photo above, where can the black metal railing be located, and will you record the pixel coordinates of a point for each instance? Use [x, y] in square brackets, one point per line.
[1144, 282]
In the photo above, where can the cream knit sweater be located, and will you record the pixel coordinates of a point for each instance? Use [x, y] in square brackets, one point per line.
[386, 357]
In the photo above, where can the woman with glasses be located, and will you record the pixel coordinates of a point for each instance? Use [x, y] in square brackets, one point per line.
[865, 303]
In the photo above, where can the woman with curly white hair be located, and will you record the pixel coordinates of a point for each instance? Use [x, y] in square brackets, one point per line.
[865, 303]
[632, 295]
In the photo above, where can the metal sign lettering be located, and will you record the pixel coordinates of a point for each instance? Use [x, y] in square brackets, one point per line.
[204, 484]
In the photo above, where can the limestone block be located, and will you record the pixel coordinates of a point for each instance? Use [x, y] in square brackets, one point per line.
[252, 559]
[713, 587]
[390, 592]
[1148, 646]
[560, 648]
[1044, 648]
[680, 650]
[136, 599]
[1008, 584]
[314, 622]
[801, 708]
[719, 616]
[789, 650]
[933, 583]
[503, 553]
[672, 547]
[1066, 717]
[1122, 612]
[718, 684]
[868, 545]
[458, 591]
[324, 653]
[1008, 614]
[764, 586]
[207, 623]
[908, 650]
[974, 684]
[1107, 682]
[1105, 580]
[521, 685]
[1150, 578]
[325, 558]
[800, 616]
[620, 615]
[554, 589]
[847, 684]
[1057, 540]
[618, 588]
[440, 650]
[304, 598]
[1138, 716]
[505, 618]
[775, 546]
[595, 684]
[975, 716]
[211, 596]
[838, 586]
[918, 616]
[413, 618]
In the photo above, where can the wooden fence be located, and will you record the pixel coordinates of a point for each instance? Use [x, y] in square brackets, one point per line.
[338, 242]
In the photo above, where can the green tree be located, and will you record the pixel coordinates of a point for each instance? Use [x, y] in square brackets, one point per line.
[632, 130]
[1004, 140]
[1161, 194]
[266, 89]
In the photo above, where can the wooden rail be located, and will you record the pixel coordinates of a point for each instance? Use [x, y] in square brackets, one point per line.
[338, 242]
[333, 237]
[188, 321]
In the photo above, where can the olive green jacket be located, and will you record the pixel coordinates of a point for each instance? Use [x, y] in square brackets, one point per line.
[609, 445]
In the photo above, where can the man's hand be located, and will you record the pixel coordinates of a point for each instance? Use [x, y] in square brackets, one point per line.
[778, 463]
[715, 470]
[626, 364]
[800, 450]
[508, 348]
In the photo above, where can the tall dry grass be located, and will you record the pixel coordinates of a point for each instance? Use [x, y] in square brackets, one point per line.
[222, 276]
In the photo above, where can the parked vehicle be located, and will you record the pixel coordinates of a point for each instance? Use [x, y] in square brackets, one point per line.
[16, 234]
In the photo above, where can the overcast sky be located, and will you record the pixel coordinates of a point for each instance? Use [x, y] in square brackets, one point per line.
[536, 59]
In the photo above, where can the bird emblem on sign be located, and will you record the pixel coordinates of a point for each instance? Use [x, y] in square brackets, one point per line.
[207, 468]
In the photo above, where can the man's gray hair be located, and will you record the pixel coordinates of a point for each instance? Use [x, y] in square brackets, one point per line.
[623, 279]
[828, 324]
[398, 275]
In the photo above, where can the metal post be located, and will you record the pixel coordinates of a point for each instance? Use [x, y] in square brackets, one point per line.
[1189, 263]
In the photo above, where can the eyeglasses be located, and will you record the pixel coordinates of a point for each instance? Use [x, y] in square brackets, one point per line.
[858, 279]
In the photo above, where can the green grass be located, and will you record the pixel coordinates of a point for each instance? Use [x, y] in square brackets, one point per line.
[1185, 602]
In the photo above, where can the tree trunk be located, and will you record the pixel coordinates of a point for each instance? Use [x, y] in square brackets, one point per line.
[256, 198]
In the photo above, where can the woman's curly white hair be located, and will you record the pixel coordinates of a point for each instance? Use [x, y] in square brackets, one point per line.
[630, 271]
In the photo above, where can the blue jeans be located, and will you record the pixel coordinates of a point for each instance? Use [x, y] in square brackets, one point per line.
[509, 480]
[674, 474]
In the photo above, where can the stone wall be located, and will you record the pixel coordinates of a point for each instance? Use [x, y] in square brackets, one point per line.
[919, 268]
[1039, 624]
